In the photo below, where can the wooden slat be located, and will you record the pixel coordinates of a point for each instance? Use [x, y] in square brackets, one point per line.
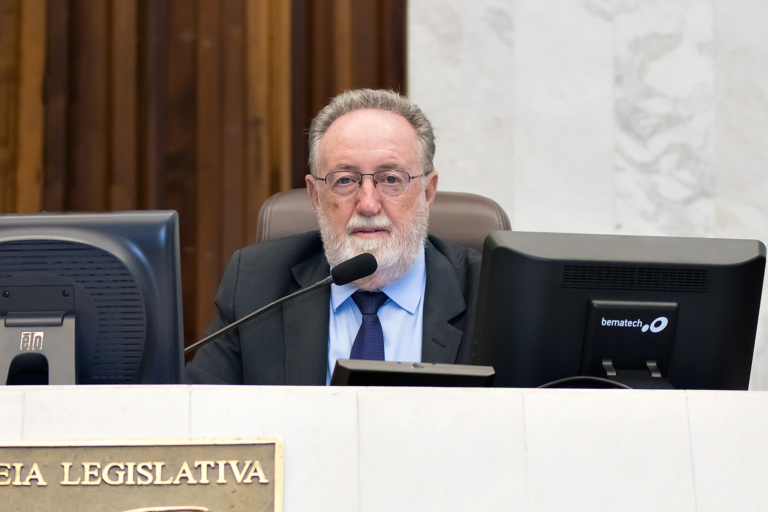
[365, 28]
[56, 105]
[123, 191]
[233, 130]
[208, 222]
[393, 45]
[345, 76]
[179, 184]
[300, 89]
[9, 78]
[280, 93]
[89, 121]
[29, 168]
[322, 58]
[153, 62]
[258, 99]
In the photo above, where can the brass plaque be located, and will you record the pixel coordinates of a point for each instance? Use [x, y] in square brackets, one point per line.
[143, 476]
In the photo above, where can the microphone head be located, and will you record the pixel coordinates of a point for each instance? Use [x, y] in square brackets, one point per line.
[353, 269]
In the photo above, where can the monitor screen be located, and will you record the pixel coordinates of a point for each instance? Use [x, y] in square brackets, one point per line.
[649, 312]
[90, 298]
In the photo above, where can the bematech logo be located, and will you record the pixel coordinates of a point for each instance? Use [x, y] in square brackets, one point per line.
[657, 325]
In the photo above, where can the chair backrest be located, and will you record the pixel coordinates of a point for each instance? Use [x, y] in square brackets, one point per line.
[456, 216]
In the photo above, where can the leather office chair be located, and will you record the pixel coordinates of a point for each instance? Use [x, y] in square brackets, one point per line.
[456, 216]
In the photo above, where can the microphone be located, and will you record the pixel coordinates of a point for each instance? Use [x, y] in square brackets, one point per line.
[353, 269]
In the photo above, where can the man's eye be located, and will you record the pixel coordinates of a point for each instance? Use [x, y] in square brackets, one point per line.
[344, 180]
[390, 179]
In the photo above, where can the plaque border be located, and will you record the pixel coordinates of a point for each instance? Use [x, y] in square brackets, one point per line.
[199, 441]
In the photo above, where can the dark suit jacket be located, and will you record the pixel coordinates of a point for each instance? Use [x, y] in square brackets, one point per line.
[289, 344]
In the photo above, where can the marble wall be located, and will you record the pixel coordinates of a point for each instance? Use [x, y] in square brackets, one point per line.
[642, 117]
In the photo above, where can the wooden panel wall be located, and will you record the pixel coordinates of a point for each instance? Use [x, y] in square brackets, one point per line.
[340, 45]
[200, 106]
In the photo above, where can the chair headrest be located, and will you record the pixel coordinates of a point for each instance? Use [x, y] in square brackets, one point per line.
[456, 216]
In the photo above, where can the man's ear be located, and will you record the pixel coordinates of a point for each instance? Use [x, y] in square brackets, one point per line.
[431, 189]
[312, 191]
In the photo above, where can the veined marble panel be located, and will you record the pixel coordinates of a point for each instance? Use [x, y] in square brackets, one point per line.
[318, 428]
[741, 150]
[460, 74]
[664, 100]
[478, 444]
[563, 129]
[729, 448]
[626, 116]
[646, 464]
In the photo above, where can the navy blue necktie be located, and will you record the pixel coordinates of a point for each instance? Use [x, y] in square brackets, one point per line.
[369, 342]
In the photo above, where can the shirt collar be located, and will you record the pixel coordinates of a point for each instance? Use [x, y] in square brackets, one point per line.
[405, 292]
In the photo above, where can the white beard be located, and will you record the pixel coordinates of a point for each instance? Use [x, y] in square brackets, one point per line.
[395, 253]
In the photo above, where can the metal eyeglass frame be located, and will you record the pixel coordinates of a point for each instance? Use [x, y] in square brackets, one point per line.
[362, 175]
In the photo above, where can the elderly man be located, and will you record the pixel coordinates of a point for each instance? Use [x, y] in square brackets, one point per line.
[372, 181]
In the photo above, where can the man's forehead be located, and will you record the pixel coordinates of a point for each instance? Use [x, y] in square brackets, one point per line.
[371, 130]
[383, 122]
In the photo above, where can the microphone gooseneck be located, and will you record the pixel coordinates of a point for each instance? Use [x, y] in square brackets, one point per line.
[353, 269]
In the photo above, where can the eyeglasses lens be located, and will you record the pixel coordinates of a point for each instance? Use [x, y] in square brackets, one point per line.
[391, 183]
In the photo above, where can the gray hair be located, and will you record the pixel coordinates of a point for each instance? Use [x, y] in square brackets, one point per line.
[377, 99]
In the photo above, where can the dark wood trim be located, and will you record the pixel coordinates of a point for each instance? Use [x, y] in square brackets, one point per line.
[392, 45]
[123, 191]
[178, 181]
[233, 114]
[210, 263]
[365, 28]
[88, 108]
[153, 23]
[55, 94]
[300, 89]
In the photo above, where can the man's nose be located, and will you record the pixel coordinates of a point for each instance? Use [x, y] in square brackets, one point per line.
[368, 198]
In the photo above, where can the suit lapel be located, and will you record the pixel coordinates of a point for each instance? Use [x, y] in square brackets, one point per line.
[305, 325]
[443, 301]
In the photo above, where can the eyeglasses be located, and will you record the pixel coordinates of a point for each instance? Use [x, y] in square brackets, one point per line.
[390, 182]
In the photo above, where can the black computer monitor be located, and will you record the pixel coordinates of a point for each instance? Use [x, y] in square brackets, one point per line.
[90, 298]
[645, 311]
[358, 372]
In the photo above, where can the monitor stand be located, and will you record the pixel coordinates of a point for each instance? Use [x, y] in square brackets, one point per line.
[37, 348]
[637, 379]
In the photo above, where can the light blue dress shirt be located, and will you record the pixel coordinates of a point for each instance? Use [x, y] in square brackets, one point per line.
[401, 318]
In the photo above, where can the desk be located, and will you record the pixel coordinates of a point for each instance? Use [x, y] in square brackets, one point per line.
[369, 449]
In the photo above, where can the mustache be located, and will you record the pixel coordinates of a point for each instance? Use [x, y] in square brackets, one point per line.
[380, 221]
